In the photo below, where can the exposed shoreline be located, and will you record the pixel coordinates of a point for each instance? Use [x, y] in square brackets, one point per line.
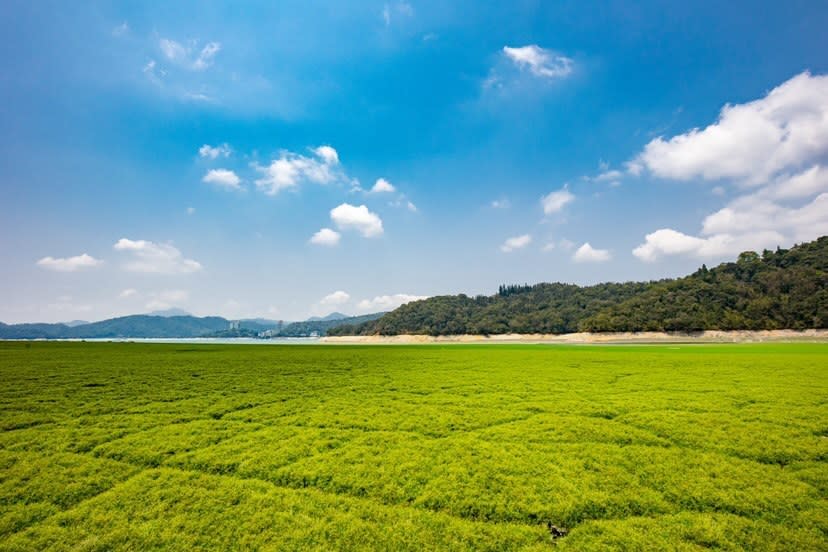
[712, 336]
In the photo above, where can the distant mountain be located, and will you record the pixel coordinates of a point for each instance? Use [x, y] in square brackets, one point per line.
[139, 325]
[261, 322]
[73, 323]
[782, 289]
[170, 312]
[329, 318]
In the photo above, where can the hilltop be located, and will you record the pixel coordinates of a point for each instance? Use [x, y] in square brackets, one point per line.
[782, 289]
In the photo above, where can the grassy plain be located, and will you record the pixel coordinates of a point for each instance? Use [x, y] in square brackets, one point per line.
[142, 447]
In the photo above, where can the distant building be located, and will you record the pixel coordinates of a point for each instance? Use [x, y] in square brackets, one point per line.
[235, 324]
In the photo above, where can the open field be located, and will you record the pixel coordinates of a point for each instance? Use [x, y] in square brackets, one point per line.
[140, 446]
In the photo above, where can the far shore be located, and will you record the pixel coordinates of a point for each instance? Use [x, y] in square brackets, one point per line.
[713, 336]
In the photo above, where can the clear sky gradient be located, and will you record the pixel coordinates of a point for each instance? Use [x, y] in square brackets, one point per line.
[286, 159]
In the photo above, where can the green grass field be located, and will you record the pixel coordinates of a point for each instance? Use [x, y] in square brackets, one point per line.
[141, 447]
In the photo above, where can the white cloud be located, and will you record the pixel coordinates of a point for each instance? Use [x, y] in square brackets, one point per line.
[185, 56]
[191, 210]
[667, 242]
[557, 200]
[382, 186]
[403, 202]
[327, 237]
[549, 246]
[129, 292]
[348, 216]
[212, 152]
[292, 169]
[566, 244]
[588, 254]
[328, 154]
[540, 62]
[172, 49]
[387, 302]
[774, 150]
[205, 57]
[159, 258]
[336, 298]
[197, 97]
[518, 242]
[807, 183]
[69, 264]
[751, 142]
[501, 204]
[224, 178]
[609, 176]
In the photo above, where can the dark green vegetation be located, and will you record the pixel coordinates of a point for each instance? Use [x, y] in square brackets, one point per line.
[323, 326]
[783, 289]
[144, 325]
[141, 447]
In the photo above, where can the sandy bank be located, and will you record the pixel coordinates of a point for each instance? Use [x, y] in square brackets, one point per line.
[636, 337]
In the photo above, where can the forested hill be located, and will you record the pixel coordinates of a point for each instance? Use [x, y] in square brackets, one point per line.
[774, 290]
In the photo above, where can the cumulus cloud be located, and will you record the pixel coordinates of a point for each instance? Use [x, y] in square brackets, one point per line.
[557, 200]
[588, 254]
[224, 178]
[212, 152]
[773, 150]
[670, 242]
[350, 217]
[750, 142]
[382, 186]
[69, 264]
[292, 169]
[387, 302]
[500, 204]
[326, 237]
[336, 298]
[518, 242]
[158, 258]
[540, 62]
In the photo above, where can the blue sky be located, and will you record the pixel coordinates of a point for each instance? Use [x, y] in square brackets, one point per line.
[224, 158]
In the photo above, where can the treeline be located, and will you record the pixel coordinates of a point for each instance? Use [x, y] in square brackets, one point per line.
[322, 327]
[786, 288]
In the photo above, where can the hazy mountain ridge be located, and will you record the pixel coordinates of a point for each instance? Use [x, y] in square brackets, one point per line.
[170, 326]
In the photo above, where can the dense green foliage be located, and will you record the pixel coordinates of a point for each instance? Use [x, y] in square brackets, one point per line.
[781, 289]
[323, 326]
[136, 447]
